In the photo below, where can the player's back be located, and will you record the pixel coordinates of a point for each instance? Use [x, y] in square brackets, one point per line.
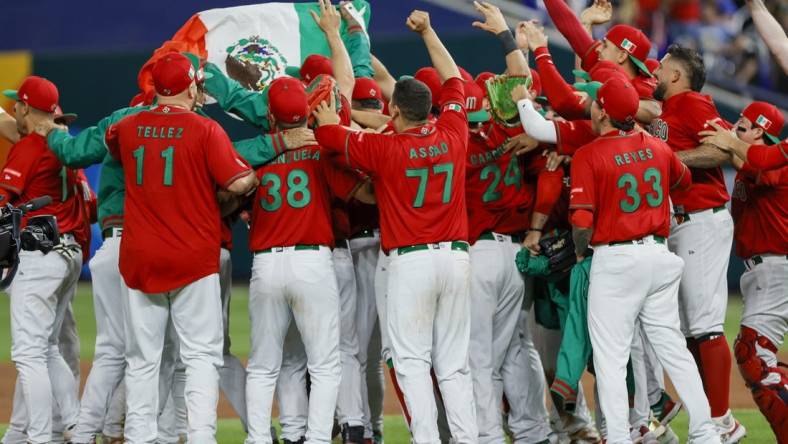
[632, 175]
[293, 202]
[172, 224]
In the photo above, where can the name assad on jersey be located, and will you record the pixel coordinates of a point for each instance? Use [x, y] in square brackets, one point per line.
[172, 228]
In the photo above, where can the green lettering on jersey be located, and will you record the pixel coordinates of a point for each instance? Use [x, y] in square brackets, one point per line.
[179, 133]
[619, 160]
[412, 154]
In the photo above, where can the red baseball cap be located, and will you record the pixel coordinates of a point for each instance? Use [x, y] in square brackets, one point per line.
[287, 100]
[429, 76]
[482, 78]
[366, 88]
[767, 117]
[315, 65]
[634, 42]
[36, 92]
[617, 97]
[474, 103]
[172, 74]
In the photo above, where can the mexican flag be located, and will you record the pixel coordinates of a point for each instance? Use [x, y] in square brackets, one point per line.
[252, 44]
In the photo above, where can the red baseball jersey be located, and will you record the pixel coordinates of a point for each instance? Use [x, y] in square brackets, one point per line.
[572, 134]
[760, 211]
[419, 174]
[173, 161]
[480, 170]
[625, 179]
[683, 117]
[32, 171]
[768, 157]
[293, 203]
[643, 84]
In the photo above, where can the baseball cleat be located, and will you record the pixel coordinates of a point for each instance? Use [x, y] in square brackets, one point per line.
[585, 435]
[730, 429]
[643, 435]
[666, 409]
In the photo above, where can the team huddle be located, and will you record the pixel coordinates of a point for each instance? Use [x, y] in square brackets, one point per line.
[486, 240]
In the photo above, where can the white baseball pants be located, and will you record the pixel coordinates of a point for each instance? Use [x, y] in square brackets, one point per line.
[765, 290]
[497, 297]
[428, 309]
[195, 311]
[40, 293]
[641, 281]
[291, 387]
[349, 402]
[293, 285]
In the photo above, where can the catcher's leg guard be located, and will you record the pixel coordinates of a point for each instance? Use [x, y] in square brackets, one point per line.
[769, 384]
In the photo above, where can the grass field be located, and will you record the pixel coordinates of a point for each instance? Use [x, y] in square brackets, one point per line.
[395, 430]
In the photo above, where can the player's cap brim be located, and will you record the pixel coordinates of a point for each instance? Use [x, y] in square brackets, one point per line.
[405, 77]
[293, 71]
[11, 94]
[640, 65]
[580, 74]
[480, 116]
[774, 140]
[590, 88]
[65, 118]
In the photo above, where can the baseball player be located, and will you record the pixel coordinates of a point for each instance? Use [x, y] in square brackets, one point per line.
[45, 283]
[173, 159]
[760, 213]
[702, 231]
[419, 177]
[620, 184]
[295, 186]
[764, 157]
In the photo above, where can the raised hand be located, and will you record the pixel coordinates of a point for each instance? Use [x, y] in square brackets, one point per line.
[534, 33]
[326, 113]
[521, 37]
[493, 18]
[520, 92]
[329, 18]
[418, 22]
[598, 13]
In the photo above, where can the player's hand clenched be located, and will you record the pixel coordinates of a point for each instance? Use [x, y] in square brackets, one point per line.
[520, 92]
[494, 21]
[531, 242]
[419, 22]
[329, 18]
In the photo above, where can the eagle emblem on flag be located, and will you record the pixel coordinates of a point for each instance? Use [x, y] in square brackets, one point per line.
[254, 62]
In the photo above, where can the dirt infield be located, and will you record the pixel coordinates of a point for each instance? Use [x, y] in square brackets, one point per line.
[740, 396]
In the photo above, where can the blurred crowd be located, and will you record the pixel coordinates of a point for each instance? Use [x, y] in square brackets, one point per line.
[721, 29]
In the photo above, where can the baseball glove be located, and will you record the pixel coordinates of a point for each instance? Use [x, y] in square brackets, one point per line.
[320, 89]
[560, 253]
[499, 92]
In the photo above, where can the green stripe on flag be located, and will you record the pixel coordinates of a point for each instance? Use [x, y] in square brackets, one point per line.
[312, 39]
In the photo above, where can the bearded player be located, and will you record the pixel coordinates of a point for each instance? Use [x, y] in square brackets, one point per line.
[702, 232]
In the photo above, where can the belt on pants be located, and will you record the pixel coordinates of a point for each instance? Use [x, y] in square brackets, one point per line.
[490, 235]
[112, 232]
[341, 243]
[454, 245]
[643, 241]
[291, 247]
[685, 217]
[364, 233]
[761, 258]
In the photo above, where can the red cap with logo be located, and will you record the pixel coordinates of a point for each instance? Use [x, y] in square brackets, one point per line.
[767, 117]
[474, 103]
[483, 77]
[618, 98]
[429, 76]
[172, 74]
[36, 92]
[287, 100]
[314, 65]
[366, 88]
[634, 42]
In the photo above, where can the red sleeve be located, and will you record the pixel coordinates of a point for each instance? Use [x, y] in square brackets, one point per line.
[559, 93]
[90, 197]
[358, 149]
[224, 164]
[344, 113]
[342, 182]
[567, 22]
[582, 196]
[768, 157]
[111, 140]
[452, 105]
[582, 219]
[19, 167]
[571, 135]
[680, 176]
[548, 190]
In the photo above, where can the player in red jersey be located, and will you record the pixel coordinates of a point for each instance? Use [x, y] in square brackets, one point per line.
[765, 157]
[419, 178]
[45, 283]
[173, 162]
[619, 203]
[702, 232]
[293, 276]
[760, 213]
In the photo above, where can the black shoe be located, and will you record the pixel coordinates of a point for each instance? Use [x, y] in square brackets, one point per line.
[300, 441]
[352, 435]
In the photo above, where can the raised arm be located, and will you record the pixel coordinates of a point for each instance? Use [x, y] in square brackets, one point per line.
[494, 23]
[357, 43]
[329, 21]
[771, 32]
[384, 78]
[419, 22]
[534, 124]
[570, 27]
